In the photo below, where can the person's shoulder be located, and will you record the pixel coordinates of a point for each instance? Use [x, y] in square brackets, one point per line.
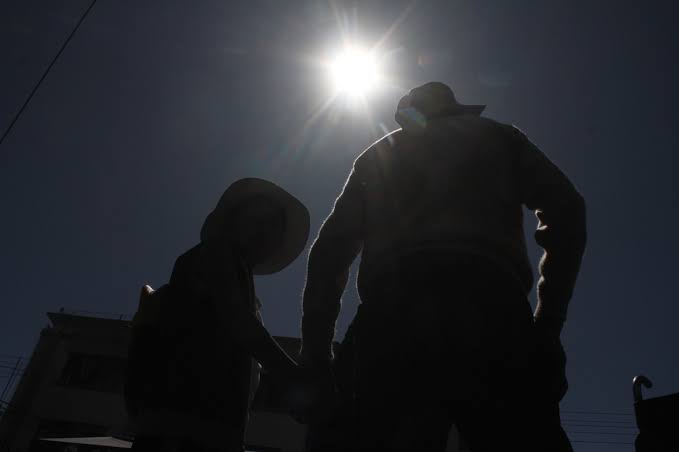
[185, 264]
[189, 256]
[384, 144]
[511, 129]
[508, 131]
[493, 123]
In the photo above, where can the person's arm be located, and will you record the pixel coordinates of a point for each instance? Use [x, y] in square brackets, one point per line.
[337, 245]
[220, 268]
[561, 231]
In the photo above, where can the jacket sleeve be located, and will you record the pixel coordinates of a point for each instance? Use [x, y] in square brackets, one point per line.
[219, 269]
[337, 245]
[561, 230]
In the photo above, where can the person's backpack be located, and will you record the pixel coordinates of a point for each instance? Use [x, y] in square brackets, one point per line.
[150, 346]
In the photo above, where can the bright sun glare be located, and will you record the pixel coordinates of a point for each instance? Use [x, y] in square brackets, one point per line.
[354, 72]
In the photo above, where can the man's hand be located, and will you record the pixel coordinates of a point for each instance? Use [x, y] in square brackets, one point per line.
[312, 397]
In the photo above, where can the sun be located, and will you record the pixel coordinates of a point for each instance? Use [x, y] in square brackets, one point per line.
[354, 71]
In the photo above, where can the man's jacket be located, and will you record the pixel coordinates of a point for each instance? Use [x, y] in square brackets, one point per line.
[459, 184]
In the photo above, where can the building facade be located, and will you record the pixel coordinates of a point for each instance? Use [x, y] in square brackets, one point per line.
[72, 388]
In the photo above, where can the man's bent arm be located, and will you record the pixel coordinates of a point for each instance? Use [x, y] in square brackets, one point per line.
[561, 230]
[339, 242]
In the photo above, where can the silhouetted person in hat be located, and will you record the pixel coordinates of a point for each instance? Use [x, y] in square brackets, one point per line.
[445, 333]
[190, 365]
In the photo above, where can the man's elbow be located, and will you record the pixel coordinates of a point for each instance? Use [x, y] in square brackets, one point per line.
[579, 203]
[564, 226]
[580, 207]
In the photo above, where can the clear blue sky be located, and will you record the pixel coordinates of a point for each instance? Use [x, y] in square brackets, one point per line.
[153, 110]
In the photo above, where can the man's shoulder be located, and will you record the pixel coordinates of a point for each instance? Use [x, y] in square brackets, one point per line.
[491, 123]
[388, 141]
[510, 129]
[508, 133]
[384, 144]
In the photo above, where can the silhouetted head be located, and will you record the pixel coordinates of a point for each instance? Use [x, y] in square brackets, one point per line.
[429, 101]
[268, 224]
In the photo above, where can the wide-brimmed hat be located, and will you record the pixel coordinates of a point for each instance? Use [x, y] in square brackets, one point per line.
[429, 101]
[296, 224]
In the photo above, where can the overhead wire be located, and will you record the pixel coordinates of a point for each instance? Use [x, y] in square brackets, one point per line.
[44, 75]
[600, 426]
[12, 367]
[600, 433]
[607, 413]
[598, 421]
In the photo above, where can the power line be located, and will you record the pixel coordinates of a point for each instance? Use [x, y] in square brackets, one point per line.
[9, 356]
[608, 413]
[602, 433]
[599, 421]
[44, 75]
[8, 375]
[599, 426]
[3, 366]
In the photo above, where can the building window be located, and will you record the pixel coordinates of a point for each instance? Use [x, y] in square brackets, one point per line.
[94, 372]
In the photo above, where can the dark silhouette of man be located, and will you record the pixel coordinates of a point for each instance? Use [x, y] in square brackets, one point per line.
[190, 371]
[444, 333]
